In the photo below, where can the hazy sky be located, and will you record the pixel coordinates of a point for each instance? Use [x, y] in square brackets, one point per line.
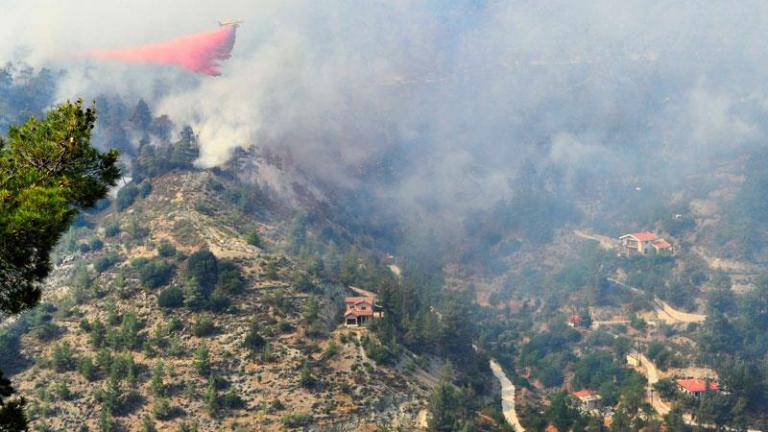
[461, 91]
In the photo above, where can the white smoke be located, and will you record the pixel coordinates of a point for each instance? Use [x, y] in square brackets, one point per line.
[458, 92]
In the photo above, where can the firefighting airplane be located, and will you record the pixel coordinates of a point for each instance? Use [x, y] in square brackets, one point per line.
[230, 22]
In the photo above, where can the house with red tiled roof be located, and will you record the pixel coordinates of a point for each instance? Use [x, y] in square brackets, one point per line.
[588, 400]
[644, 243]
[697, 386]
[359, 310]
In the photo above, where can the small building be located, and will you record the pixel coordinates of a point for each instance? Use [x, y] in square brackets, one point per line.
[359, 310]
[644, 243]
[589, 400]
[696, 386]
[574, 321]
[551, 428]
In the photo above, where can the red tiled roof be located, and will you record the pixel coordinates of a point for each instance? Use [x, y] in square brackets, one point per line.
[662, 244]
[551, 428]
[697, 385]
[584, 393]
[356, 300]
[644, 236]
[358, 312]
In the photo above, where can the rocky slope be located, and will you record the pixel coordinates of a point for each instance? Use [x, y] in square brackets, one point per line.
[304, 372]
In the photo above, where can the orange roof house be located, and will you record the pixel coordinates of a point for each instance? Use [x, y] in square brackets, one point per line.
[360, 309]
[696, 386]
[643, 243]
[584, 393]
[661, 245]
[644, 236]
[574, 321]
[588, 399]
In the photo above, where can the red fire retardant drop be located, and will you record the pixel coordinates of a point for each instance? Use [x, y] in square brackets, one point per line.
[199, 53]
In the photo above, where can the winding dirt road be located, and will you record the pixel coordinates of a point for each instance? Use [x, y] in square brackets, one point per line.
[507, 396]
[665, 312]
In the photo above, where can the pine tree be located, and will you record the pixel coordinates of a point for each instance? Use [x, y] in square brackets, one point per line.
[212, 401]
[147, 425]
[202, 361]
[141, 117]
[157, 384]
[48, 173]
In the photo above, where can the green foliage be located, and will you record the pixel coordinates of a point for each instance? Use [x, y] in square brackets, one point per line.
[97, 334]
[194, 295]
[61, 390]
[202, 266]
[123, 368]
[331, 350]
[451, 409]
[253, 340]
[12, 417]
[594, 369]
[106, 422]
[48, 172]
[171, 297]
[105, 262]
[129, 332]
[104, 360]
[661, 355]
[202, 361]
[377, 351]
[156, 383]
[218, 301]
[231, 400]
[212, 402]
[175, 325]
[154, 161]
[112, 229]
[147, 425]
[561, 412]
[175, 348]
[188, 427]
[548, 353]
[166, 249]
[666, 388]
[40, 324]
[87, 368]
[96, 244]
[230, 278]
[204, 326]
[125, 197]
[155, 274]
[62, 358]
[161, 408]
[297, 420]
[254, 239]
[145, 189]
[303, 282]
[306, 378]
[250, 198]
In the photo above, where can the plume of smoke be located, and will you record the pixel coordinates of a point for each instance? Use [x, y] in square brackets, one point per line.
[454, 94]
[201, 53]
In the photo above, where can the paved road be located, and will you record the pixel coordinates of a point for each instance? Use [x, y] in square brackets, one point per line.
[653, 375]
[507, 397]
